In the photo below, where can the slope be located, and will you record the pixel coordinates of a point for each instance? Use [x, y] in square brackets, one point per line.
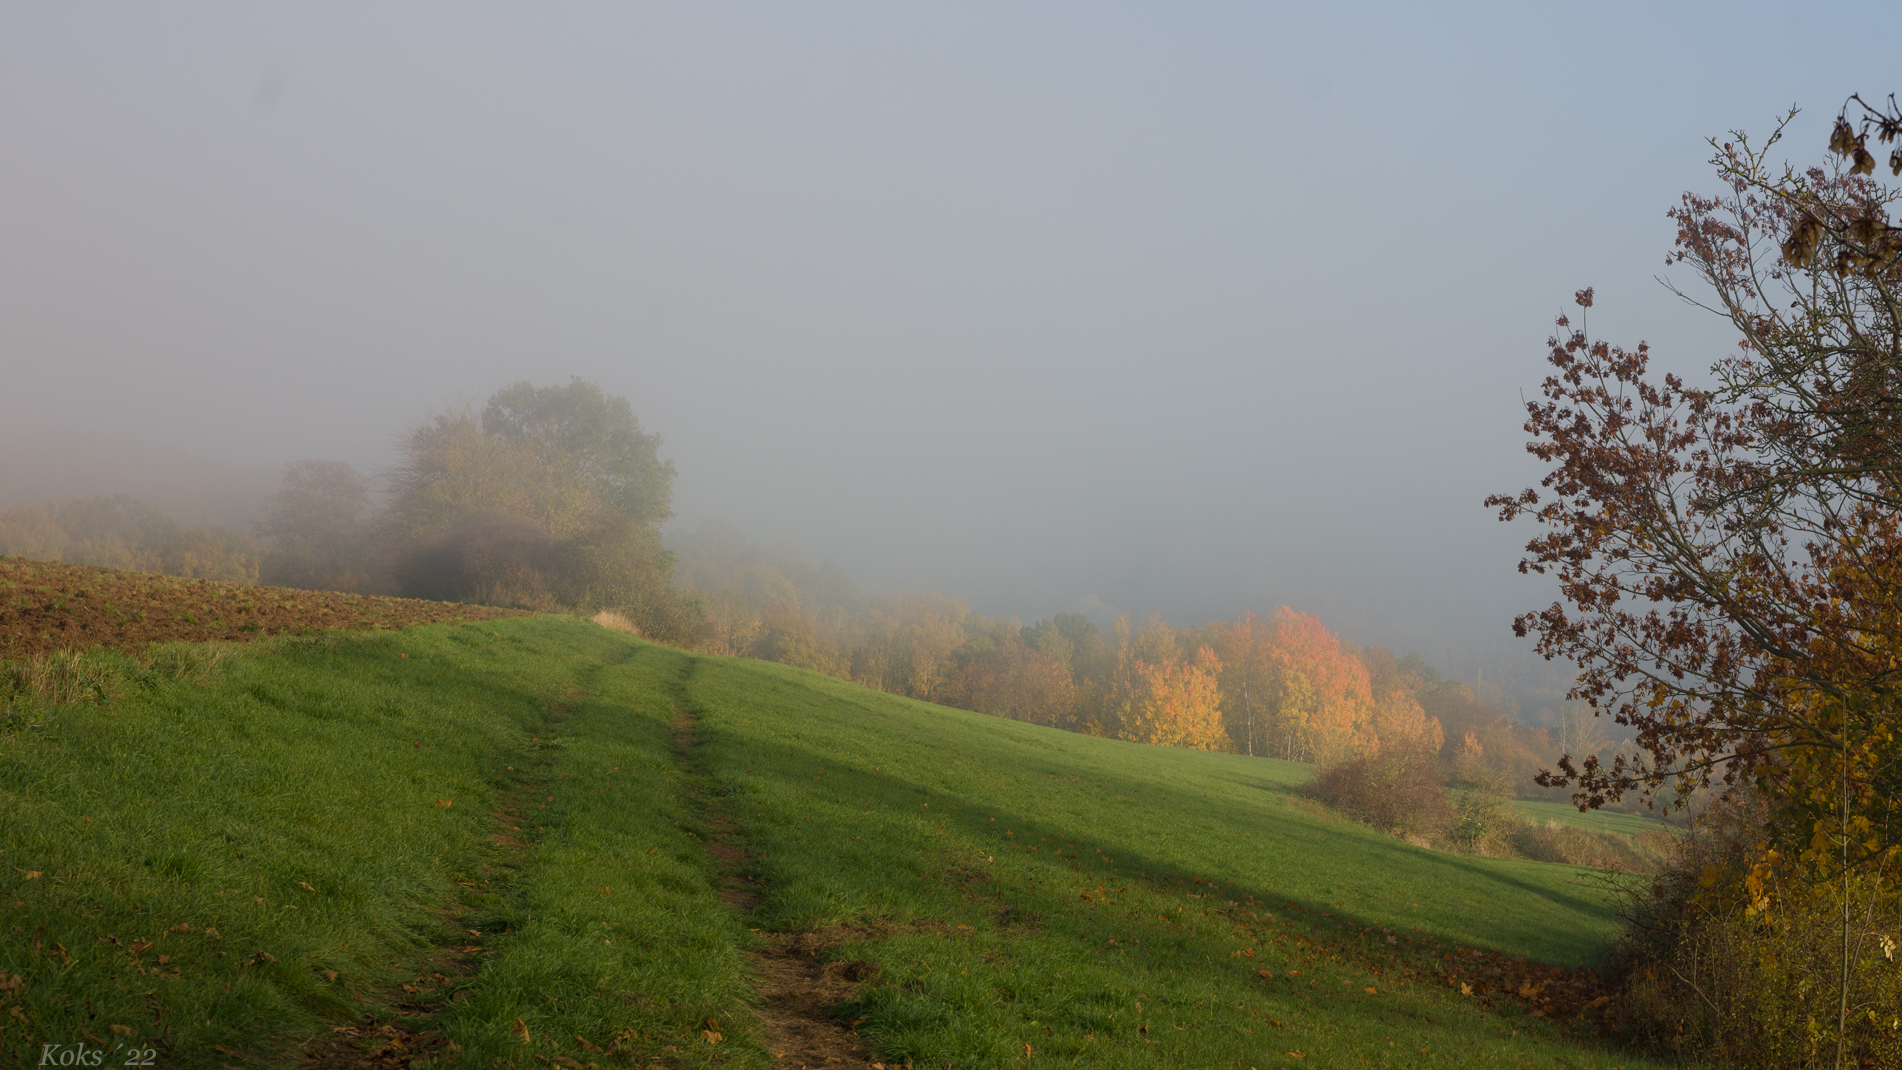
[535, 841]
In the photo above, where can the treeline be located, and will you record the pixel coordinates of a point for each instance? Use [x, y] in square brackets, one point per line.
[120, 531]
[551, 498]
[1282, 687]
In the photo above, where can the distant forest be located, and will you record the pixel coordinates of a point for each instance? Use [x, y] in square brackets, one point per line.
[551, 498]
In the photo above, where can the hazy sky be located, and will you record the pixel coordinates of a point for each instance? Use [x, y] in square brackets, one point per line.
[1180, 307]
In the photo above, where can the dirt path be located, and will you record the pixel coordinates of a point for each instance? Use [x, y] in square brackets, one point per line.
[800, 979]
[396, 1033]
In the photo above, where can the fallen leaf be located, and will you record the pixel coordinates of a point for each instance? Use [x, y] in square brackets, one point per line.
[585, 1044]
[1295, 1054]
[31, 874]
[712, 1037]
[124, 1030]
[165, 960]
[182, 927]
[444, 802]
[266, 956]
[1371, 992]
[521, 1030]
[305, 885]
[213, 933]
[1465, 989]
[330, 975]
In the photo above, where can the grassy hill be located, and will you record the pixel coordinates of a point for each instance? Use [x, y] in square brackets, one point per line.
[534, 841]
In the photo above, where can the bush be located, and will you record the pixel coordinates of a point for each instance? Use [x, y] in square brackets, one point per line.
[1718, 981]
[1398, 790]
[1484, 823]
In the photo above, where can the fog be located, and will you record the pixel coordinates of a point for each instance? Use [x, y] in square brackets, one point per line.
[1190, 308]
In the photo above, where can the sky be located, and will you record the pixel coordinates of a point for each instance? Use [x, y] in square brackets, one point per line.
[1191, 308]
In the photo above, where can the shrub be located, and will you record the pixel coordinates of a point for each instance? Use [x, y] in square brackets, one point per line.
[1397, 790]
[1484, 822]
[1718, 980]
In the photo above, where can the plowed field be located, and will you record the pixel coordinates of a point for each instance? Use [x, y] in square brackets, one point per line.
[48, 605]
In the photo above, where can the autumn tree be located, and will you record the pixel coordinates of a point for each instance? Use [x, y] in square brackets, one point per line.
[1320, 694]
[318, 527]
[1728, 555]
[1177, 703]
[551, 496]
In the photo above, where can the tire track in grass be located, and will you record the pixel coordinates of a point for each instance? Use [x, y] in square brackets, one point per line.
[797, 981]
[401, 1030]
[620, 953]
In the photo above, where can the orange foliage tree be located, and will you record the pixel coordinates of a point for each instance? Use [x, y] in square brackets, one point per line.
[1177, 704]
[1320, 693]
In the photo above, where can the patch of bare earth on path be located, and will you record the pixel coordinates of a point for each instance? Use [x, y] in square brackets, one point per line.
[796, 982]
[400, 1037]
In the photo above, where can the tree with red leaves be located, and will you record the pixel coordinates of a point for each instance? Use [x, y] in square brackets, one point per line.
[1728, 556]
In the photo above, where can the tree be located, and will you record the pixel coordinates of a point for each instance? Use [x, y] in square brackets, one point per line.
[1728, 555]
[1177, 703]
[552, 497]
[1320, 694]
[317, 526]
[119, 531]
[577, 431]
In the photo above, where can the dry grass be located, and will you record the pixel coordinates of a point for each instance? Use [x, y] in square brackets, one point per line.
[613, 621]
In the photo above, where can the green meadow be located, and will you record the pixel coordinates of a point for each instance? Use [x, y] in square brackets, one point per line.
[492, 835]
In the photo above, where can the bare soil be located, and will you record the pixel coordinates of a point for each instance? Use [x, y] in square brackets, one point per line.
[50, 605]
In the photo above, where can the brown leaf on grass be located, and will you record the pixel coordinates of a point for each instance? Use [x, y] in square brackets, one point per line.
[305, 885]
[266, 956]
[586, 1044]
[165, 960]
[10, 984]
[31, 874]
[213, 933]
[182, 927]
[122, 1030]
[139, 945]
[521, 1031]
[329, 975]
[444, 802]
